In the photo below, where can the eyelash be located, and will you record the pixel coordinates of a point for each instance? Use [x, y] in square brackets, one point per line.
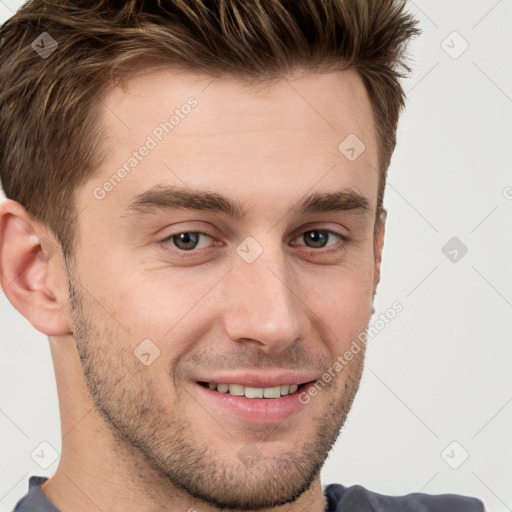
[329, 250]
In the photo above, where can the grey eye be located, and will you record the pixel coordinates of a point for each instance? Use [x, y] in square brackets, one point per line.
[318, 237]
[187, 240]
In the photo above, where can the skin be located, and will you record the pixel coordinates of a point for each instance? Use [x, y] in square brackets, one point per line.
[139, 437]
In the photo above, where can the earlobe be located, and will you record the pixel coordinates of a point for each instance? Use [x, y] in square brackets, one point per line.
[31, 275]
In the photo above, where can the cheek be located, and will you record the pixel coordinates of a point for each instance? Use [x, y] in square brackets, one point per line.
[349, 281]
[171, 308]
[345, 311]
[341, 299]
[158, 302]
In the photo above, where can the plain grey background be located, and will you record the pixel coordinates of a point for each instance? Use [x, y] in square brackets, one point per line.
[434, 410]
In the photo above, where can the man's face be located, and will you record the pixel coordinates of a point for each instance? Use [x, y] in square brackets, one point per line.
[163, 312]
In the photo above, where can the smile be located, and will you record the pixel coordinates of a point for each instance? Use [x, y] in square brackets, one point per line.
[253, 392]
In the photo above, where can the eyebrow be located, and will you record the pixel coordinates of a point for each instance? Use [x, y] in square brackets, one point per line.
[160, 198]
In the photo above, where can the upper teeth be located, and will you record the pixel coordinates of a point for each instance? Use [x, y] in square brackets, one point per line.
[250, 392]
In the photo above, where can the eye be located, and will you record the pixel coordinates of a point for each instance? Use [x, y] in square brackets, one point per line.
[187, 240]
[317, 238]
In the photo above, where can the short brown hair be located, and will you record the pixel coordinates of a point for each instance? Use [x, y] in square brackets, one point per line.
[50, 140]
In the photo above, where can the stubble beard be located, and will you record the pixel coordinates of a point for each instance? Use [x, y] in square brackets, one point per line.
[143, 425]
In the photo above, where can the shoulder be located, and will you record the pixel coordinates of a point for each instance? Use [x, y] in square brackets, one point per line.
[359, 499]
[35, 500]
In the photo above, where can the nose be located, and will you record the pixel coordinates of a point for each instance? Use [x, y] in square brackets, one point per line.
[264, 306]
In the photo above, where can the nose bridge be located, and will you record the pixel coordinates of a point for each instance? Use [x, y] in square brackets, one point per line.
[264, 305]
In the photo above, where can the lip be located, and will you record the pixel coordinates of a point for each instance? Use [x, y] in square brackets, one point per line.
[253, 410]
[258, 380]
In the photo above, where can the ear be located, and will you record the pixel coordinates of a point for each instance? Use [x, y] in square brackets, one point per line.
[378, 244]
[32, 271]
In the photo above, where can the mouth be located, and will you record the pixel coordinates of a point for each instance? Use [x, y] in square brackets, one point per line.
[237, 402]
[254, 392]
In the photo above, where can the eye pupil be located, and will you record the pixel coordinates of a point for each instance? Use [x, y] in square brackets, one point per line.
[318, 237]
[189, 240]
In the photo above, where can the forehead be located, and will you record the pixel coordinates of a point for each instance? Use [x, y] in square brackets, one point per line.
[271, 141]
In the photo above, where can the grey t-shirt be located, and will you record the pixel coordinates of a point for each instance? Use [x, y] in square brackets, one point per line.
[339, 498]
